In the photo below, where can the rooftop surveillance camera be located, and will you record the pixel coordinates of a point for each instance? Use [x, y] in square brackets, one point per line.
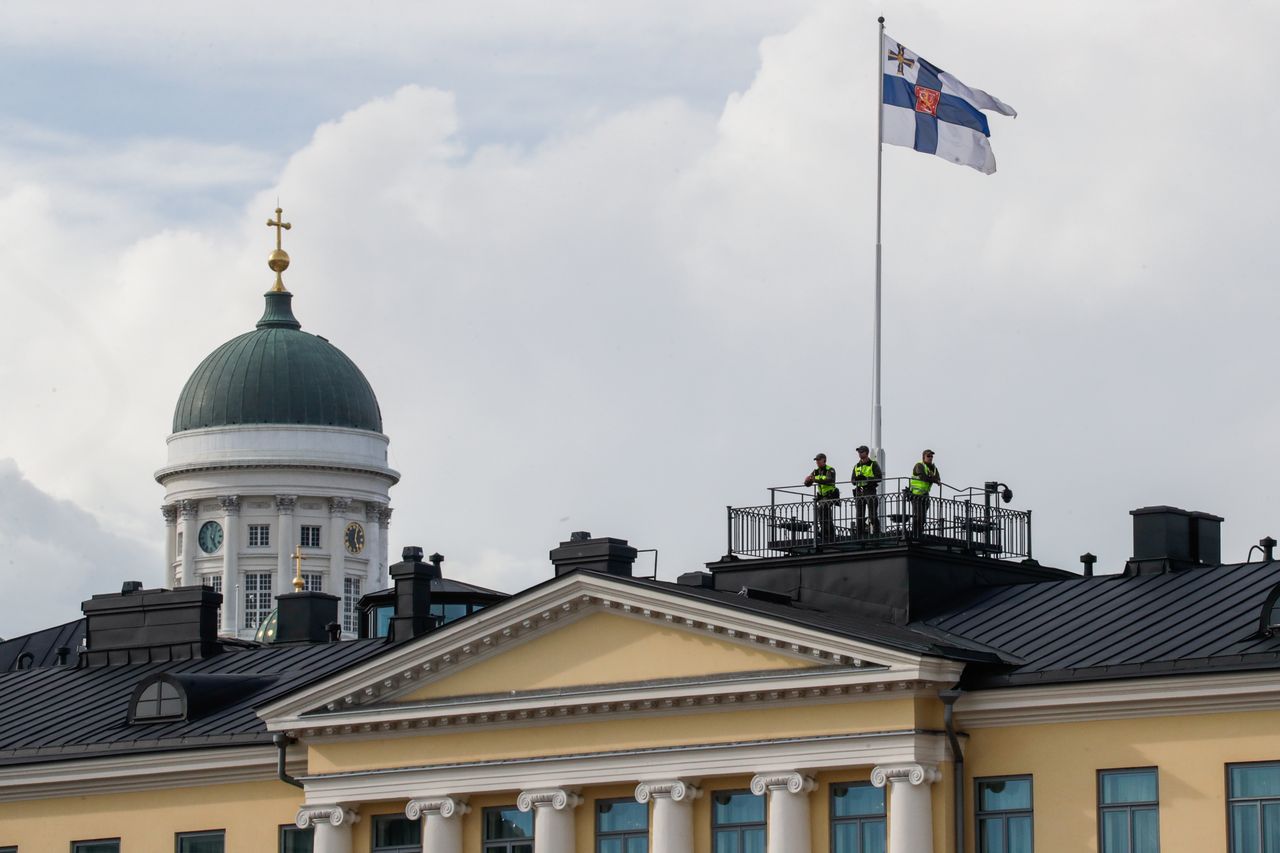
[993, 487]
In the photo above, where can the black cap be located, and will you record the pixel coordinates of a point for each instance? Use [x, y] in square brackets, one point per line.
[862, 448]
[819, 456]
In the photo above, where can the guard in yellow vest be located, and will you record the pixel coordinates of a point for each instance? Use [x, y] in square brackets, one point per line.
[923, 476]
[823, 478]
[866, 489]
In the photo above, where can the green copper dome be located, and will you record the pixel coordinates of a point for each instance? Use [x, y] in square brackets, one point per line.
[277, 374]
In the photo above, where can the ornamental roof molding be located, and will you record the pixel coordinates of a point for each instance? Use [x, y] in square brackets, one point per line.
[369, 698]
[163, 475]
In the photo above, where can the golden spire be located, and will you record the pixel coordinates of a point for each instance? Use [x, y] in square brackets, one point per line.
[279, 259]
[298, 582]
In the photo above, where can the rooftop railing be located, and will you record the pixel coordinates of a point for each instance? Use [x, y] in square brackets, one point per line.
[796, 521]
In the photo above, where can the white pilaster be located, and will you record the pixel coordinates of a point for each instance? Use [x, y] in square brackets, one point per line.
[170, 513]
[384, 522]
[910, 805]
[372, 548]
[552, 818]
[788, 810]
[338, 508]
[230, 560]
[333, 827]
[189, 510]
[672, 825]
[442, 822]
[285, 543]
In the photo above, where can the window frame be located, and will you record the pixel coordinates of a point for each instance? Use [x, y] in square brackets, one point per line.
[414, 847]
[624, 835]
[314, 530]
[739, 827]
[313, 581]
[309, 832]
[75, 845]
[1231, 801]
[264, 537]
[260, 614]
[350, 610]
[1004, 814]
[1128, 808]
[502, 845]
[833, 820]
[179, 837]
[160, 682]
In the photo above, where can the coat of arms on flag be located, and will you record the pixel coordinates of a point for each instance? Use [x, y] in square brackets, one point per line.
[927, 109]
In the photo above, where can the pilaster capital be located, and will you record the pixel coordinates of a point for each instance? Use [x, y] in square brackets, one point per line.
[285, 503]
[548, 798]
[676, 790]
[188, 509]
[170, 513]
[910, 772]
[384, 516]
[338, 506]
[430, 807]
[337, 815]
[230, 504]
[795, 783]
[371, 511]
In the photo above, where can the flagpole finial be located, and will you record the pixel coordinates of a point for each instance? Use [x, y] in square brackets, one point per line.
[881, 19]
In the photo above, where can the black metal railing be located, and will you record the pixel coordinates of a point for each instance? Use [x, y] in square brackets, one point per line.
[796, 521]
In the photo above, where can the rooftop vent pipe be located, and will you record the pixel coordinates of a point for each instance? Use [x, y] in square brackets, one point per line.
[1088, 560]
[1268, 548]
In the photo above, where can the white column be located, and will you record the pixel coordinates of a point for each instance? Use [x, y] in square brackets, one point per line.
[170, 513]
[788, 810]
[552, 818]
[285, 542]
[372, 548]
[442, 822]
[384, 521]
[189, 510]
[910, 805]
[230, 560]
[333, 827]
[337, 551]
[672, 825]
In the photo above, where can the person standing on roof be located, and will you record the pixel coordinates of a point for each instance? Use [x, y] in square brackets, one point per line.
[866, 487]
[823, 479]
[923, 476]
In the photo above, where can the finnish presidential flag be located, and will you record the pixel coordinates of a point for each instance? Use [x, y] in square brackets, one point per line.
[927, 109]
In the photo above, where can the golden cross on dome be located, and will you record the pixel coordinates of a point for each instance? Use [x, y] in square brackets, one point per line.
[280, 227]
[279, 259]
[298, 582]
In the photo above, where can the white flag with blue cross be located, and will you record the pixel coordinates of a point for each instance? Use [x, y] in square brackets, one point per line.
[927, 109]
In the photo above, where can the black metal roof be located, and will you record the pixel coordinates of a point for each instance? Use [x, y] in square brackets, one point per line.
[42, 645]
[1117, 626]
[64, 712]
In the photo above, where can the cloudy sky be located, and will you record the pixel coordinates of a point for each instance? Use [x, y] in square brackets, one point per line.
[621, 257]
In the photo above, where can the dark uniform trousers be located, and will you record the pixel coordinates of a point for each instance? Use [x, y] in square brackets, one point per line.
[868, 504]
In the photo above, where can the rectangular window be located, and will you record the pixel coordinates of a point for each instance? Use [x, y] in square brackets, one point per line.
[214, 582]
[1128, 811]
[101, 845]
[8, 850]
[350, 597]
[857, 818]
[310, 537]
[257, 598]
[259, 535]
[1254, 807]
[737, 822]
[1004, 815]
[508, 830]
[201, 842]
[294, 840]
[396, 834]
[312, 582]
[622, 826]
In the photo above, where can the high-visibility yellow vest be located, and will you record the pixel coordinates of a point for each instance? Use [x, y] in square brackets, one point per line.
[921, 487]
[828, 474]
[868, 470]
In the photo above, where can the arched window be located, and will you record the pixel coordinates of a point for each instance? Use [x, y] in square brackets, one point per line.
[26, 660]
[157, 699]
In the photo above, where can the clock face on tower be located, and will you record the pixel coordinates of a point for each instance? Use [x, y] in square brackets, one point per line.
[210, 537]
[355, 538]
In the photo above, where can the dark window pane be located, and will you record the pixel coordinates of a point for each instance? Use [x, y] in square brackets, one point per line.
[1128, 786]
[1271, 828]
[1244, 828]
[294, 840]
[205, 842]
[873, 837]
[844, 837]
[865, 799]
[521, 848]
[1256, 780]
[609, 845]
[1004, 795]
[454, 611]
[753, 841]
[509, 822]
[112, 846]
[1146, 830]
[620, 816]
[395, 831]
[725, 841]
[637, 844]
[991, 835]
[382, 621]
[1018, 834]
[1115, 832]
[728, 808]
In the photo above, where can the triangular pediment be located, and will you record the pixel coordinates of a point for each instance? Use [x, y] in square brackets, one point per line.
[599, 642]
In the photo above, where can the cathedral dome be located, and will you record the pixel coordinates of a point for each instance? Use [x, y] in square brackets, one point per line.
[277, 374]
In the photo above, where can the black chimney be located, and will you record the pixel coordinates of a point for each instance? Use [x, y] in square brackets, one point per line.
[1166, 538]
[608, 555]
[139, 625]
[303, 617]
[412, 578]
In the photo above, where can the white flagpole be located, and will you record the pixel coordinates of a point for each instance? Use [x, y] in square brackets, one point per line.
[877, 449]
